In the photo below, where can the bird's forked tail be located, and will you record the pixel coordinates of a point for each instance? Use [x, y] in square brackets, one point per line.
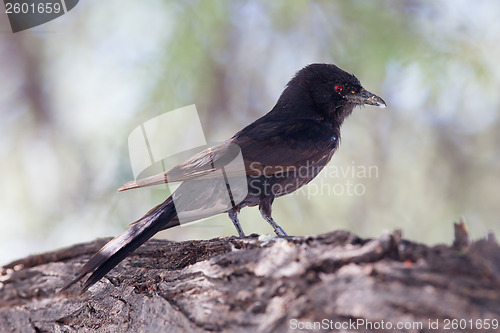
[163, 216]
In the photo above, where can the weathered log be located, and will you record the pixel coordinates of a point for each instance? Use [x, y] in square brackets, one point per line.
[334, 281]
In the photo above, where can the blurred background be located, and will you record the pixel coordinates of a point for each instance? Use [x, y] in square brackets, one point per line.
[72, 90]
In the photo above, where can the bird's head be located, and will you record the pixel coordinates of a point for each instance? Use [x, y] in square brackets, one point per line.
[329, 91]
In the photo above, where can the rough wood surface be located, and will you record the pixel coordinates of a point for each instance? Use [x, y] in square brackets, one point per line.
[262, 284]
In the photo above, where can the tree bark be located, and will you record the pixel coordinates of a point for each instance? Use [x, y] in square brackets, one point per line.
[336, 281]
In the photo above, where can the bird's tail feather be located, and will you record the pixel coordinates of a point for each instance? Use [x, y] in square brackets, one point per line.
[163, 216]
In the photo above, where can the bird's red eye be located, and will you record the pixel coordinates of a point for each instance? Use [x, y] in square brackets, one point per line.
[338, 88]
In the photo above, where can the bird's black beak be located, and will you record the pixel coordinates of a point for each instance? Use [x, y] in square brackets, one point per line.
[366, 97]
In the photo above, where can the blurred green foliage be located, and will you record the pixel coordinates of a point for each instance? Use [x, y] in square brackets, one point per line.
[76, 87]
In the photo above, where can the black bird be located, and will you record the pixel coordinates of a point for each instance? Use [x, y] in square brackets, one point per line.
[282, 151]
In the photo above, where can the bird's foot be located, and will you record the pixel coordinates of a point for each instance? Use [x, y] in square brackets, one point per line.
[279, 231]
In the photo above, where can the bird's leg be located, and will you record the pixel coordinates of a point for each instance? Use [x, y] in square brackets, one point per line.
[233, 215]
[265, 211]
[277, 229]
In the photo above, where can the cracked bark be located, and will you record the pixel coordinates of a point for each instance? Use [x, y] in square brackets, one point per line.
[258, 284]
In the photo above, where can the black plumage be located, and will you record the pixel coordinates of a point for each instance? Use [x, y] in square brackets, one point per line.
[282, 151]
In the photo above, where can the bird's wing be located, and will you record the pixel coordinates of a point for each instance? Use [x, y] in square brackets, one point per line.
[274, 147]
[202, 165]
[267, 147]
